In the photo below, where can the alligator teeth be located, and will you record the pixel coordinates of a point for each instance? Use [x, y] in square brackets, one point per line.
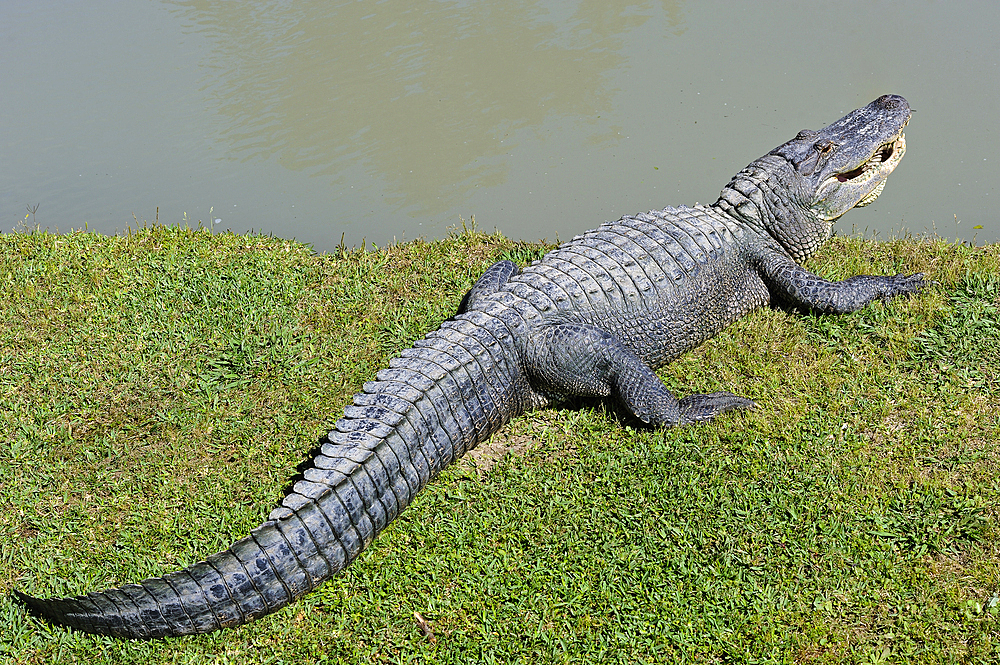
[883, 152]
[871, 196]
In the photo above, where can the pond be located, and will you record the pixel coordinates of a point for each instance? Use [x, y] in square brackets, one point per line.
[391, 120]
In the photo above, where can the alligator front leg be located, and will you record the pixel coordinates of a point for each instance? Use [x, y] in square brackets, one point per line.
[489, 282]
[792, 284]
[581, 359]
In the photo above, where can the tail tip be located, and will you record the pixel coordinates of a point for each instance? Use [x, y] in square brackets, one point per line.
[35, 606]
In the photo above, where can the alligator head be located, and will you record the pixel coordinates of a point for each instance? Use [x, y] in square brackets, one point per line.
[800, 188]
[847, 163]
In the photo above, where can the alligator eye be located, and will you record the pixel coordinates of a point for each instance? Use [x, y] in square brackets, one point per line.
[825, 147]
[817, 157]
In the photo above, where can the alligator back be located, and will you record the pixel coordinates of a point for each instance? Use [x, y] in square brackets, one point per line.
[662, 282]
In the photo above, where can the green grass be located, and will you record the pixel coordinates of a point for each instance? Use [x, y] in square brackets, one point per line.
[158, 390]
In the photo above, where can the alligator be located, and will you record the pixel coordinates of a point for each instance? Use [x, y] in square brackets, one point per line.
[594, 317]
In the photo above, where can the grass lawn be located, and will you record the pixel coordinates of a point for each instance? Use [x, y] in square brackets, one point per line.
[158, 390]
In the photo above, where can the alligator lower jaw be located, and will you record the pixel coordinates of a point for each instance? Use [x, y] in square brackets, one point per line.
[872, 195]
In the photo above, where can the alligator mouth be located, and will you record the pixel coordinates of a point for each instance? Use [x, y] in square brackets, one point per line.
[884, 154]
[862, 185]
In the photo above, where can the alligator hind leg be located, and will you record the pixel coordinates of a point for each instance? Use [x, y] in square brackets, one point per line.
[580, 359]
[489, 282]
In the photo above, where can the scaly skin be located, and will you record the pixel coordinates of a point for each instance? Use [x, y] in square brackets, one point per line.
[594, 317]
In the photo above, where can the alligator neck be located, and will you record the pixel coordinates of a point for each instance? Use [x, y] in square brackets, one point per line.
[765, 197]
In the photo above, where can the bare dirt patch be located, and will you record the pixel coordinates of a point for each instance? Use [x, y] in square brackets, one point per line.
[487, 455]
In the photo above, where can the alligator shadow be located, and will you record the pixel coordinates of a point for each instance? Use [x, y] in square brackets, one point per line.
[300, 468]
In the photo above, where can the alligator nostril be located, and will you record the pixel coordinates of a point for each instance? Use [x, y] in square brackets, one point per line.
[889, 102]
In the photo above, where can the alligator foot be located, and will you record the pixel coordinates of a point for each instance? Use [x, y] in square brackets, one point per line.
[697, 408]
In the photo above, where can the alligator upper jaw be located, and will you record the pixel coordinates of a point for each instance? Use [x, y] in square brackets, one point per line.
[887, 154]
[861, 185]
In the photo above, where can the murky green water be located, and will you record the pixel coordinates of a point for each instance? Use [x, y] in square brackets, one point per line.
[384, 120]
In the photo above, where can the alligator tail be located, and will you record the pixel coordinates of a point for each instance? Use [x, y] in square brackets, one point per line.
[452, 390]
